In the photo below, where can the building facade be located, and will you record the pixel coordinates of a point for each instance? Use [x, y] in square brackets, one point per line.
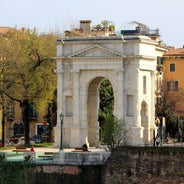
[13, 121]
[173, 74]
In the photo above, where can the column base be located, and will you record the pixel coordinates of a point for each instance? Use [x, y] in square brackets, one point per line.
[136, 136]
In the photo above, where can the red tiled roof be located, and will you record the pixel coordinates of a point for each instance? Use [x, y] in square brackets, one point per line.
[175, 52]
[4, 30]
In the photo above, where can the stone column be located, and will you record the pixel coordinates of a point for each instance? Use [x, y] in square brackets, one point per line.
[119, 94]
[136, 132]
[153, 74]
[137, 100]
[76, 97]
[153, 127]
[60, 108]
[75, 129]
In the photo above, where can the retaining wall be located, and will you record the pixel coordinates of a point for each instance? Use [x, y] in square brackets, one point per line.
[137, 165]
[149, 165]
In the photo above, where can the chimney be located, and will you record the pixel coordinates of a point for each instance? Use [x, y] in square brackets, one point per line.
[85, 25]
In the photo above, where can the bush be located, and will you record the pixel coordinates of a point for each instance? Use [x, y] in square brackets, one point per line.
[113, 133]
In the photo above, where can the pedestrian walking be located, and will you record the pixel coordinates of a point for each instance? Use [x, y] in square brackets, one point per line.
[157, 140]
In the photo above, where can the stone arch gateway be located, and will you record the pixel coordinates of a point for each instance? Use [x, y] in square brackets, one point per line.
[82, 63]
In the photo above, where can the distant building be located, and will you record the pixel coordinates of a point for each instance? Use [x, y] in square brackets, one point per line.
[86, 29]
[4, 30]
[174, 73]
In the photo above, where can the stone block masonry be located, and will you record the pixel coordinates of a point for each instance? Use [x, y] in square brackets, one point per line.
[145, 165]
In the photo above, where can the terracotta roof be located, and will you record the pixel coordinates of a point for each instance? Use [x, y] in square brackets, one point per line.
[4, 30]
[175, 52]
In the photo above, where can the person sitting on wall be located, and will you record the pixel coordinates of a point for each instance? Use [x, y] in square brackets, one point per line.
[84, 147]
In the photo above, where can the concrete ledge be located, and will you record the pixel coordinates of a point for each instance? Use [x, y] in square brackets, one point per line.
[81, 158]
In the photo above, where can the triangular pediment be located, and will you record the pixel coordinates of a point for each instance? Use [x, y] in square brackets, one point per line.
[96, 51]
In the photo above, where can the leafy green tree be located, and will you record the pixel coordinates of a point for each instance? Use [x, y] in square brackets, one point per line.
[28, 73]
[113, 133]
[106, 105]
[105, 23]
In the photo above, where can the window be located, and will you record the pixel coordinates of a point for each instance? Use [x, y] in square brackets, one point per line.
[144, 85]
[172, 67]
[18, 129]
[10, 109]
[172, 85]
[159, 63]
[159, 60]
[32, 111]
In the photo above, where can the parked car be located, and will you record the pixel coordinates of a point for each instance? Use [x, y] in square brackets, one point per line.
[37, 138]
[21, 141]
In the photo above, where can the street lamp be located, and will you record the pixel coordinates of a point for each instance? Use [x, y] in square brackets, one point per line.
[61, 116]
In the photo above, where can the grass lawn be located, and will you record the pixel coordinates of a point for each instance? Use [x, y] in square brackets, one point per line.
[45, 144]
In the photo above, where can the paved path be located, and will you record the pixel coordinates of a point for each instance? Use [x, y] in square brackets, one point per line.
[92, 149]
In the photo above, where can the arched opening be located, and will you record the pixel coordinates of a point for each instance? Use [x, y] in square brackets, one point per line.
[100, 103]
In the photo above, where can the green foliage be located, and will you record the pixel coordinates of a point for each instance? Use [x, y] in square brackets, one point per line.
[45, 144]
[27, 71]
[113, 132]
[106, 105]
[105, 23]
[98, 26]
[15, 172]
[2, 157]
[28, 66]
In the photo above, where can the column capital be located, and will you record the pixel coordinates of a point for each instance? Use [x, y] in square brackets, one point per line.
[58, 71]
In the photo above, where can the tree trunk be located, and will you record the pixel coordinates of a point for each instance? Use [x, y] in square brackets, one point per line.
[25, 112]
[3, 132]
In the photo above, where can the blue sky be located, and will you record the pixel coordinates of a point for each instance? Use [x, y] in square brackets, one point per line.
[50, 15]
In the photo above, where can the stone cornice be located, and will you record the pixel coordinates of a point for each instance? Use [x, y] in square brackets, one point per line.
[174, 57]
[86, 39]
[94, 58]
[111, 57]
[141, 57]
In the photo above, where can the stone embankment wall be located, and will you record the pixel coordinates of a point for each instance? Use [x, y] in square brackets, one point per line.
[148, 165]
[57, 174]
